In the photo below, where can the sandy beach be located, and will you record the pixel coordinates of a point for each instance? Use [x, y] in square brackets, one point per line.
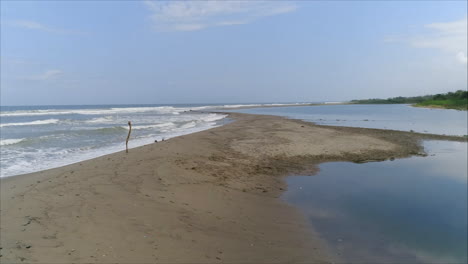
[207, 197]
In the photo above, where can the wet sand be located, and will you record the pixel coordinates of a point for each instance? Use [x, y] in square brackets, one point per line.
[211, 196]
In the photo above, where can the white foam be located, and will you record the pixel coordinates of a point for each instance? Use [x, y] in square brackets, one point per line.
[122, 110]
[240, 105]
[169, 124]
[19, 163]
[34, 113]
[100, 120]
[105, 111]
[212, 117]
[156, 124]
[32, 123]
[188, 125]
[255, 105]
[11, 141]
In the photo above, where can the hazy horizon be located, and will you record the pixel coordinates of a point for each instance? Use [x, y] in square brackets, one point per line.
[208, 52]
[163, 104]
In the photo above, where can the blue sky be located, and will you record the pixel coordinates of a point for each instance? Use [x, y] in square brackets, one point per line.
[130, 52]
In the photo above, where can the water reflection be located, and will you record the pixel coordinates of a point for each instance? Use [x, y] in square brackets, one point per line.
[405, 211]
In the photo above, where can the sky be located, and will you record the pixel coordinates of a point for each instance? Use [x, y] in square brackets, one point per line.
[169, 52]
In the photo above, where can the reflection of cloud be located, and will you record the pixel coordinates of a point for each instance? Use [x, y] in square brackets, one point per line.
[362, 248]
[197, 15]
[449, 160]
[424, 256]
[449, 37]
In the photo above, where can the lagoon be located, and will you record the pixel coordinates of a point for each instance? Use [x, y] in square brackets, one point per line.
[389, 116]
[411, 210]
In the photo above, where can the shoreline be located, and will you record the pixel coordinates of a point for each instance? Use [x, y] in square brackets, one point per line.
[272, 106]
[115, 147]
[210, 196]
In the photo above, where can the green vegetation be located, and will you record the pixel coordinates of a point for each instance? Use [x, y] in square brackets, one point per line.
[452, 100]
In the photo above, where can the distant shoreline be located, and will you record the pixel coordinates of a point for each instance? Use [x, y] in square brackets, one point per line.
[209, 196]
[276, 105]
[448, 107]
[431, 106]
[452, 100]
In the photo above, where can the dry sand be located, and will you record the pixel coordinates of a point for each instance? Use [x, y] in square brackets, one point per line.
[211, 196]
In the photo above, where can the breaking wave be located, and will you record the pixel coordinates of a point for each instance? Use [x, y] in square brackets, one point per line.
[32, 123]
[12, 141]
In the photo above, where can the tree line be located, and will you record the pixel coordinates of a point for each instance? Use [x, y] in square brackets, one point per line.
[458, 95]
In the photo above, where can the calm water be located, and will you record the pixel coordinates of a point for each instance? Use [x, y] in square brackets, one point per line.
[397, 117]
[404, 211]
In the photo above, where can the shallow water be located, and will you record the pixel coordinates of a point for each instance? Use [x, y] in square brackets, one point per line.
[410, 210]
[396, 117]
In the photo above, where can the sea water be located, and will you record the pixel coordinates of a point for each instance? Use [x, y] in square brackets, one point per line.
[34, 138]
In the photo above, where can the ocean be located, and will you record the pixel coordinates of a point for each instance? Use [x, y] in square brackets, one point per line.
[34, 138]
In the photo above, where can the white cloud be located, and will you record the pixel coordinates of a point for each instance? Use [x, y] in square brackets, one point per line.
[197, 15]
[30, 25]
[33, 25]
[47, 75]
[449, 37]
[462, 58]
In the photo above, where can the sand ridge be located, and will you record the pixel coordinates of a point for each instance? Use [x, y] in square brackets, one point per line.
[207, 197]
